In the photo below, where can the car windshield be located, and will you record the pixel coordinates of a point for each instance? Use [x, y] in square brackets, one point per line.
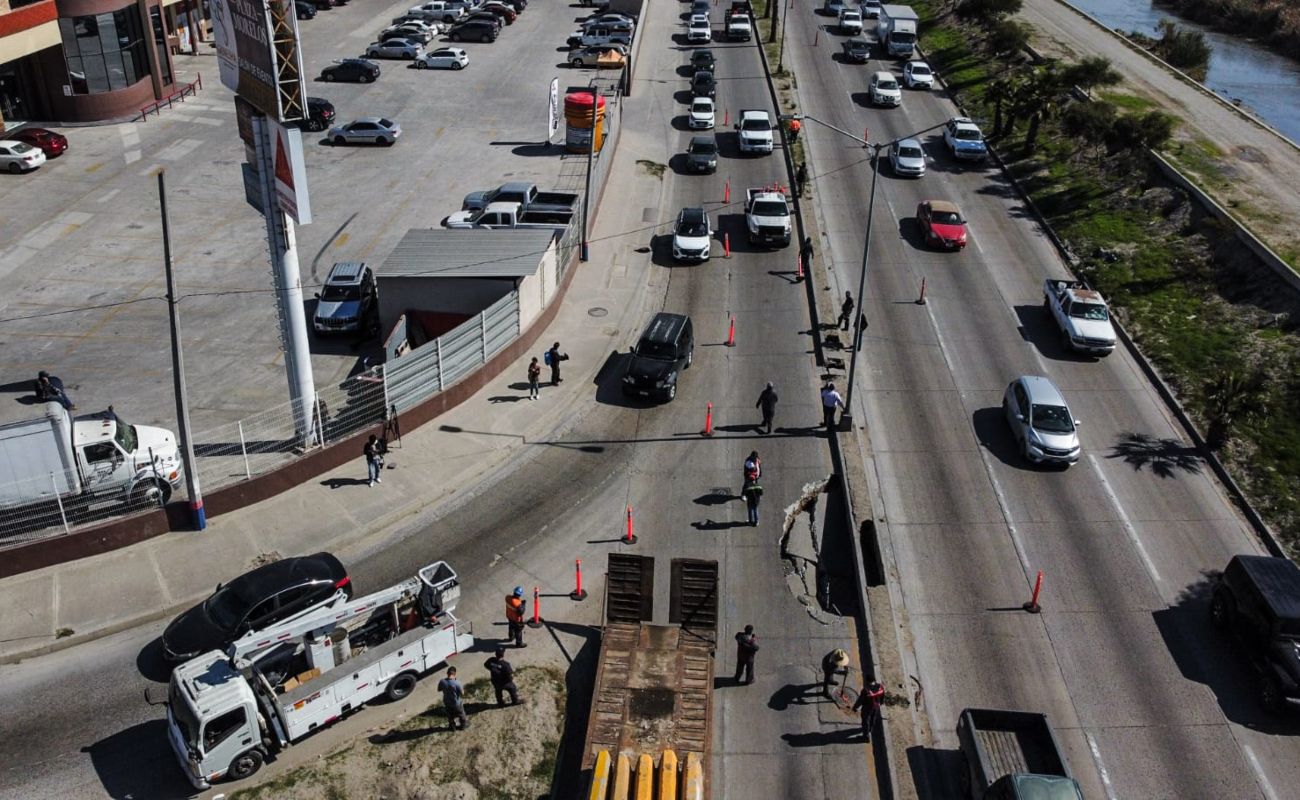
[702, 107]
[227, 607]
[901, 37]
[889, 84]
[770, 208]
[1051, 419]
[692, 228]
[1095, 311]
[704, 148]
[920, 69]
[969, 134]
[341, 294]
[945, 217]
[126, 436]
[659, 351]
[909, 152]
[755, 125]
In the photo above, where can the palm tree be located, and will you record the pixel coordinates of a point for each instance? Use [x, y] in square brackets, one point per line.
[1042, 92]
[1231, 397]
[999, 94]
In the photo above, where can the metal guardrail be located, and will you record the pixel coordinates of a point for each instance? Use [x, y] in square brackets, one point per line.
[178, 96]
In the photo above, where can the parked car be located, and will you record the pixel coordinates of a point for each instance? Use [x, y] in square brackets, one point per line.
[375, 130]
[323, 3]
[702, 59]
[588, 56]
[1256, 600]
[439, 11]
[443, 58]
[517, 5]
[857, 50]
[475, 30]
[1040, 421]
[918, 75]
[665, 349]
[408, 33]
[18, 156]
[347, 303]
[615, 22]
[884, 90]
[598, 34]
[395, 48]
[507, 14]
[424, 20]
[942, 224]
[47, 141]
[702, 154]
[320, 115]
[353, 70]
[692, 236]
[907, 158]
[488, 17]
[699, 31]
[703, 85]
[703, 115]
[304, 10]
[273, 593]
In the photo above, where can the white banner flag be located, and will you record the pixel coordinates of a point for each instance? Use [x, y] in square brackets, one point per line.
[554, 121]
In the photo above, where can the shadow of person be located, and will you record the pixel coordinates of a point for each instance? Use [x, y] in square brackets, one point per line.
[793, 694]
[844, 735]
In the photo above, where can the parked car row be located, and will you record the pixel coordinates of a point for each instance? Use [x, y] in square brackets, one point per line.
[29, 148]
[601, 30]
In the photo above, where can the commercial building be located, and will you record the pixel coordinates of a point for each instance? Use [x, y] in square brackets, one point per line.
[90, 60]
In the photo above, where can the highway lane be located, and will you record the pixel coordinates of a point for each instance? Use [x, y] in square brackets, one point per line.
[76, 724]
[1146, 699]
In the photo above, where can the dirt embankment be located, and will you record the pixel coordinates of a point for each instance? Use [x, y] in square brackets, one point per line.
[506, 753]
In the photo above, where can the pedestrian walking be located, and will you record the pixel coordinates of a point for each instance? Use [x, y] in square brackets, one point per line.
[767, 404]
[453, 700]
[553, 358]
[374, 459]
[830, 401]
[746, 647]
[834, 663]
[801, 178]
[515, 616]
[534, 375]
[753, 494]
[869, 704]
[806, 253]
[846, 311]
[503, 677]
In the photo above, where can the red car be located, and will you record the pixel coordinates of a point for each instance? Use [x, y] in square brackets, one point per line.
[505, 12]
[942, 224]
[49, 142]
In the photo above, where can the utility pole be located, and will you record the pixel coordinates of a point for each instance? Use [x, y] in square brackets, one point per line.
[591, 155]
[197, 514]
[780, 59]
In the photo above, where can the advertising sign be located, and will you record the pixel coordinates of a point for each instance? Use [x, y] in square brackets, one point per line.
[241, 30]
[554, 121]
[290, 173]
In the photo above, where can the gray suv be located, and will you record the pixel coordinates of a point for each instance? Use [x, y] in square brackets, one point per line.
[1041, 421]
[347, 302]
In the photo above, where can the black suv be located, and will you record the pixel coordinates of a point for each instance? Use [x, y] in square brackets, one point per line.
[304, 10]
[355, 70]
[702, 154]
[703, 85]
[474, 29]
[702, 60]
[1257, 599]
[320, 115]
[666, 348]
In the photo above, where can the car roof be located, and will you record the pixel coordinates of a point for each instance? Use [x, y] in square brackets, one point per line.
[376, 120]
[703, 140]
[290, 572]
[1276, 579]
[963, 122]
[942, 205]
[664, 327]
[917, 144]
[882, 75]
[1042, 391]
[346, 272]
[693, 215]
[707, 100]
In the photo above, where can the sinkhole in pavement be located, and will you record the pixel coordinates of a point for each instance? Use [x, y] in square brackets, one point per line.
[809, 547]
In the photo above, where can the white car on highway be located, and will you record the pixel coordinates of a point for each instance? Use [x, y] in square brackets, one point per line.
[907, 157]
[918, 75]
[884, 90]
[703, 114]
[699, 31]
[395, 48]
[443, 58]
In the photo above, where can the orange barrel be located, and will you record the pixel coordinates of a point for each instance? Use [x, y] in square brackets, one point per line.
[577, 115]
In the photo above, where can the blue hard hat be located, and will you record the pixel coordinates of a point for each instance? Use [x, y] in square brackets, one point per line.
[519, 591]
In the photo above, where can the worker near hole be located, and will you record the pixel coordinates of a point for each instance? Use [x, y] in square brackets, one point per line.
[515, 607]
[836, 662]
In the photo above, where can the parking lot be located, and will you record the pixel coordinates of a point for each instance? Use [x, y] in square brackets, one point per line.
[80, 239]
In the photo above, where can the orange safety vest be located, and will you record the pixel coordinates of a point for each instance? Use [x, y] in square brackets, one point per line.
[514, 609]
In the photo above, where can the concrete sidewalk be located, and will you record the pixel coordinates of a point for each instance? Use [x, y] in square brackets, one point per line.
[71, 603]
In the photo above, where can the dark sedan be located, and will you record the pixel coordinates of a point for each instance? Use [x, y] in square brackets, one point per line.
[256, 600]
[703, 85]
[354, 70]
[474, 30]
[702, 60]
[48, 142]
[702, 154]
[857, 50]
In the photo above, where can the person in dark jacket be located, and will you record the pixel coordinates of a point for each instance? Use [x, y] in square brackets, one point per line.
[846, 311]
[453, 700]
[534, 376]
[767, 404]
[869, 701]
[834, 663]
[49, 388]
[806, 253]
[554, 357]
[746, 647]
[503, 677]
[374, 459]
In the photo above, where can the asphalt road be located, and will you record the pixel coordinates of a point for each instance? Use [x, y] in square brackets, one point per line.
[76, 724]
[1146, 698]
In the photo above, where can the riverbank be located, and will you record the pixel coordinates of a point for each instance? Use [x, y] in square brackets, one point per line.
[1273, 23]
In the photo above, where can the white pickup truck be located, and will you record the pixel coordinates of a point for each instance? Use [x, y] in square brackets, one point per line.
[767, 215]
[1081, 314]
[755, 128]
[509, 215]
[738, 27]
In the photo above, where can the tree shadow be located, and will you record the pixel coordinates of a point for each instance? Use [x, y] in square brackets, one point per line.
[1166, 457]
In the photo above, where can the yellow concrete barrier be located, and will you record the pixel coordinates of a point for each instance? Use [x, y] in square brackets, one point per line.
[645, 777]
[693, 780]
[622, 777]
[668, 776]
[600, 777]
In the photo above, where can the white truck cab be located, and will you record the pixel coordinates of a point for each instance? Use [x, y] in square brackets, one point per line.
[755, 128]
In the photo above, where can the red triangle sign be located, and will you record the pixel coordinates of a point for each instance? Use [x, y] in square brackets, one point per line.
[283, 173]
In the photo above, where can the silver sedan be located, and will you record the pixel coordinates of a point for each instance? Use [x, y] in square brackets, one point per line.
[395, 48]
[376, 130]
[907, 158]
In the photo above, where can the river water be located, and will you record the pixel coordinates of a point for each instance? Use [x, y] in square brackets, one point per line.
[1262, 80]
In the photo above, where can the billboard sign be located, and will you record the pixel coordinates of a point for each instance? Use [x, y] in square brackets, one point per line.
[290, 171]
[244, 32]
[554, 121]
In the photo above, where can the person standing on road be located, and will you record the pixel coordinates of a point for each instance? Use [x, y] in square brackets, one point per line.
[806, 253]
[503, 677]
[846, 311]
[746, 647]
[515, 616]
[767, 404]
[453, 700]
[534, 375]
[836, 662]
[795, 125]
[873, 694]
[830, 401]
[374, 460]
[753, 494]
[753, 469]
[554, 357]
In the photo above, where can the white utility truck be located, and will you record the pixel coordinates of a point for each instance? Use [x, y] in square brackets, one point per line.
[896, 30]
[228, 712]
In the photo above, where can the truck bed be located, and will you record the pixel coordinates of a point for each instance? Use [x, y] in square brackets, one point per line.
[1014, 743]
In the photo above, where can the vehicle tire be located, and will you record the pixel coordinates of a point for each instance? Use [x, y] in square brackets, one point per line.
[455, 65]
[486, 38]
[400, 686]
[455, 37]
[245, 766]
[408, 56]
[151, 494]
[576, 63]
[421, 65]
[366, 79]
[387, 142]
[15, 168]
[1270, 695]
[1223, 610]
[449, 20]
[690, 357]
[372, 54]
[316, 126]
[340, 141]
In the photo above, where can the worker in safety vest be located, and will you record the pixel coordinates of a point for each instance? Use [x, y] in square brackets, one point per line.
[873, 694]
[515, 616]
[795, 125]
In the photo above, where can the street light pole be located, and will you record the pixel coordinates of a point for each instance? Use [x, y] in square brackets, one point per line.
[780, 59]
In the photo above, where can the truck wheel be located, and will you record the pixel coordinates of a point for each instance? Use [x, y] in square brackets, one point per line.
[672, 391]
[401, 686]
[1270, 695]
[151, 493]
[246, 765]
[690, 357]
[1222, 610]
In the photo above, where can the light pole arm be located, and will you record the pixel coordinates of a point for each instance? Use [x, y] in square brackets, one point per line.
[859, 139]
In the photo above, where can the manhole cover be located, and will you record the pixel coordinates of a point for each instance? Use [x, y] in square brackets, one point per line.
[597, 312]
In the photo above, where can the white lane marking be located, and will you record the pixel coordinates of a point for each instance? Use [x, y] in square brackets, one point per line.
[108, 196]
[1101, 766]
[132, 156]
[1259, 773]
[1123, 518]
